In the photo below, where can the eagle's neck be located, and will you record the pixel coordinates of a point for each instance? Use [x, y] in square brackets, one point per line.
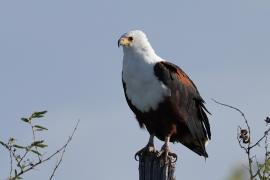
[143, 88]
[139, 64]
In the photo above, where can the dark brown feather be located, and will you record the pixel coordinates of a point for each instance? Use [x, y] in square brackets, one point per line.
[181, 116]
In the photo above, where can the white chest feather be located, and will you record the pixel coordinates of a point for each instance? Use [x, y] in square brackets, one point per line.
[143, 88]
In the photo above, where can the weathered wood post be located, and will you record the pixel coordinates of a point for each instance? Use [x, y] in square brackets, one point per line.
[153, 167]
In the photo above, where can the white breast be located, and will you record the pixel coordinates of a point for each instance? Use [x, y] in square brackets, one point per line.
[143, 88]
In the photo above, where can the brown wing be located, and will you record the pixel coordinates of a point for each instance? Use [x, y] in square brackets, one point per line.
[185, 96]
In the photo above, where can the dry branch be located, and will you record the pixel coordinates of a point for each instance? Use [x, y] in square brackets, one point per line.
[244, 140]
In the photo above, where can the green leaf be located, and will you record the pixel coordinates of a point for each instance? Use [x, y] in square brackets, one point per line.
[42, 112]
[40, 128]
[267, 167]
[25, 120]
[37, 142]
[41, 145]
[18, 146]
[38, 114]
[36, 152]
[2, 143]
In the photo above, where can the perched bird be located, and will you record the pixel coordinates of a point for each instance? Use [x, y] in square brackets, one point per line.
[163, 97]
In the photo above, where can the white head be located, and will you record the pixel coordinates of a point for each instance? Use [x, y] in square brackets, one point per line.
[135, 42]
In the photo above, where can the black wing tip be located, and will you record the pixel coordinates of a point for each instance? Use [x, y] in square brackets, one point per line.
[202, 153]
[204, 108]
[198, 149]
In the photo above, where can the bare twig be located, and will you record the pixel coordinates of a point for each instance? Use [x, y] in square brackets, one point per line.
[34, 138]
[15, 157]
[24, 155]
[264, 136]
[49, 157]
[64, 150]
[244, 141]
[258, 169]
[247, 149]
[265, 156]
[20, 158]
[11, 162]
[237, 109]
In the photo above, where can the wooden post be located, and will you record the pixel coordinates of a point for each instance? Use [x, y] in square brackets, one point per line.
[152, 167]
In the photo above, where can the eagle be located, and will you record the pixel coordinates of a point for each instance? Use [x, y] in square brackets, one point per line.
[163, 98]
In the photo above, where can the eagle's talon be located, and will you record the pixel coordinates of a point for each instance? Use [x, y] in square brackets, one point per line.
[167, 154]
[149, 148]
[174, 157]
[136, 156]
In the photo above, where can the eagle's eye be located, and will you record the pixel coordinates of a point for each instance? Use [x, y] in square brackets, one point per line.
[130, 38]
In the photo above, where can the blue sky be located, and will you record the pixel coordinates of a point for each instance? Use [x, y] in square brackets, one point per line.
[62, 56]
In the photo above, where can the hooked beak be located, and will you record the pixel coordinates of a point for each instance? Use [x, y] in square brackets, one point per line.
[123, 41]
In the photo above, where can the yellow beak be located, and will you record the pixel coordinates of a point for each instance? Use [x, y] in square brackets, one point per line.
[123, 41]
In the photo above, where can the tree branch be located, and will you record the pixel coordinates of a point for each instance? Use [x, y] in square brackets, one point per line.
[237, 109]
[49, 157]
[64, 150]
[264, 136]
[244, 141]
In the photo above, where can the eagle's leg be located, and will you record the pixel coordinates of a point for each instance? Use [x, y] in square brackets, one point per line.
[149, 148]
[165, 150]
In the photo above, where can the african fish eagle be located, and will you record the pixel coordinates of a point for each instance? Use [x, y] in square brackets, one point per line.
[163, 97]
